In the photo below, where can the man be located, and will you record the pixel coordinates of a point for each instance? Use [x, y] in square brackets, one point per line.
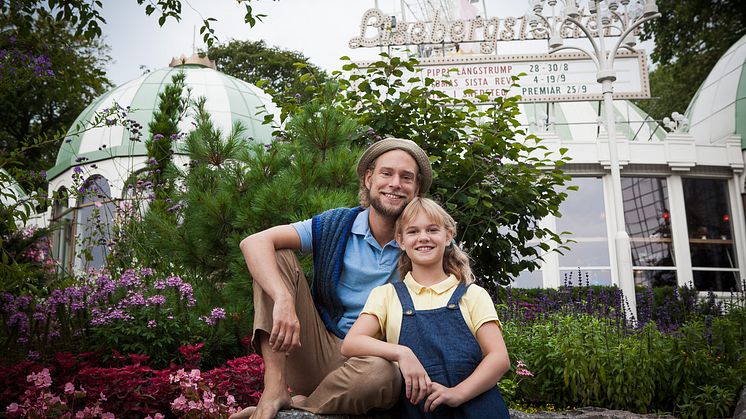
[299, 330]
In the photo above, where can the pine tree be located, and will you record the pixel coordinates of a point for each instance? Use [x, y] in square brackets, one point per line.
[164, 131]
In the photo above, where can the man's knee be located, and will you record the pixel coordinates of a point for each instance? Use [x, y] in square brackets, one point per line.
[379, 375]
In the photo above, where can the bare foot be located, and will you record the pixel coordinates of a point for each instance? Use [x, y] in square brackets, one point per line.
[267, 408]
[246, 413]
[297, 399]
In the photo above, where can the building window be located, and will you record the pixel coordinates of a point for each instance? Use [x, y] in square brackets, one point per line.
[528, 279]
[95, 217]
[584, 217]
[708, 220]
[63, 238]
[648, 224]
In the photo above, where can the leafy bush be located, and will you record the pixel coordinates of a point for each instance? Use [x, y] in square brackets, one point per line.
[138, 311]
[581, 353]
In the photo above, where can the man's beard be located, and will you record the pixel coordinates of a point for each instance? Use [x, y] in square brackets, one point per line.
[388, 212]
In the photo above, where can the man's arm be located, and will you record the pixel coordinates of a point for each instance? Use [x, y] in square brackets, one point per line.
[259, 252]
[362, 340]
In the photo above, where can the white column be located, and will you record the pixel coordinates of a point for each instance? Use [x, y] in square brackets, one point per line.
[737, 223]
[679, 231]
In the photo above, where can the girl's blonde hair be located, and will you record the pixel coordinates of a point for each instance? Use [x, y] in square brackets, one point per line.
[455, 260]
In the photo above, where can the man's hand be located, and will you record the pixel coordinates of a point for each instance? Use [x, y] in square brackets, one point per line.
[285, 336]
[440, 394]
[416, 380]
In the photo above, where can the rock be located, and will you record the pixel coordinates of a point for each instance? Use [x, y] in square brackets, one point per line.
[584, 413]
[301, 414]
[740, 412]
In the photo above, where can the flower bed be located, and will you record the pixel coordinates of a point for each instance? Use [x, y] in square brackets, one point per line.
[77, 386]
[577, 346]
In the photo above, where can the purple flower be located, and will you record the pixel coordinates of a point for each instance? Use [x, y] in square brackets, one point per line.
[20, 320]
[155, 300]
[217, 313]
[173, 281]
[23, 301]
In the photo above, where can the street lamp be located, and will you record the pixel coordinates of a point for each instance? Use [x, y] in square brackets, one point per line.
[613, 19]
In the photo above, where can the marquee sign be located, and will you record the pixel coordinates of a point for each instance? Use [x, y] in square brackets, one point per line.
[378, 29]
[547, 78]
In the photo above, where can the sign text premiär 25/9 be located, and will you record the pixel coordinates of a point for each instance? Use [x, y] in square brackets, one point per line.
[378, 29]
[542, 78]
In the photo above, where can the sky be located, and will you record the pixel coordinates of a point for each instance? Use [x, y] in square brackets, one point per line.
[319, 29]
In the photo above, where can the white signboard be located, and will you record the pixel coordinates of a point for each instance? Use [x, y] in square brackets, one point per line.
[547, 78]
[377, 29]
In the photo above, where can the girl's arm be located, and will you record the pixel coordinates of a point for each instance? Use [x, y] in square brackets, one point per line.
[361, 341]
[494, 364]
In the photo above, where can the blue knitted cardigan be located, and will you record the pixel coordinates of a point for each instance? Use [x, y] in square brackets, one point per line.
[331, 229]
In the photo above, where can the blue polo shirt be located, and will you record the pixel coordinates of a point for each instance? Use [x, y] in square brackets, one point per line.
[366, 265]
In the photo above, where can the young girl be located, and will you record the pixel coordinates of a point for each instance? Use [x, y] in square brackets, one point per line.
[441, 329]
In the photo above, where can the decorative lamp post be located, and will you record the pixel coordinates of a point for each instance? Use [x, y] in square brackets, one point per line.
[616, 20]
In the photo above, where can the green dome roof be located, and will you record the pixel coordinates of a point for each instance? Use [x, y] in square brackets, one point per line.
[718, 110]
[229, 100]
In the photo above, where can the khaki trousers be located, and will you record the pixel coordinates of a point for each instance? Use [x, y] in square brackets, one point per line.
[333, 383]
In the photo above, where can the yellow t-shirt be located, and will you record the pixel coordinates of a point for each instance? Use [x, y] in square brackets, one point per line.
[476, 305]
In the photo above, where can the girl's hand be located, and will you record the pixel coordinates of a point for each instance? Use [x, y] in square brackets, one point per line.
[440, 394]
[416, 380]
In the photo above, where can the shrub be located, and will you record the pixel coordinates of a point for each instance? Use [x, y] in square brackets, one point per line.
[138, 311]
[584, 354]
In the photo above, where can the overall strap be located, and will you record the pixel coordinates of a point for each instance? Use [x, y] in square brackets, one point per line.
[407, 306]
[456, 296]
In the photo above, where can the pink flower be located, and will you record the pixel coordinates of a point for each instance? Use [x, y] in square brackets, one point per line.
[41, 380]
[12, 408]
[522, 370]
[69, 388]
[180, 403]
[108, 415]
[158, 416]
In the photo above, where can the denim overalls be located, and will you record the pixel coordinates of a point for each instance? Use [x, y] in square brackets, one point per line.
[448, 350]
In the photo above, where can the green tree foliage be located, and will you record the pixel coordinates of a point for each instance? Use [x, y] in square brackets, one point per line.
[164, 131]
[690, 37]
[253, 61]
[85, 16]
[496, 187]
[48, 76]
[235, 187]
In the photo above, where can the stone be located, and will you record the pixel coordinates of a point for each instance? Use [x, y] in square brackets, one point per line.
[587, 413]
[740, 412]
[301, 414]
[583, 413]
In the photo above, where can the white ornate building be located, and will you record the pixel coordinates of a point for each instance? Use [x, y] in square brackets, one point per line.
[682, 190]
[107, 155]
